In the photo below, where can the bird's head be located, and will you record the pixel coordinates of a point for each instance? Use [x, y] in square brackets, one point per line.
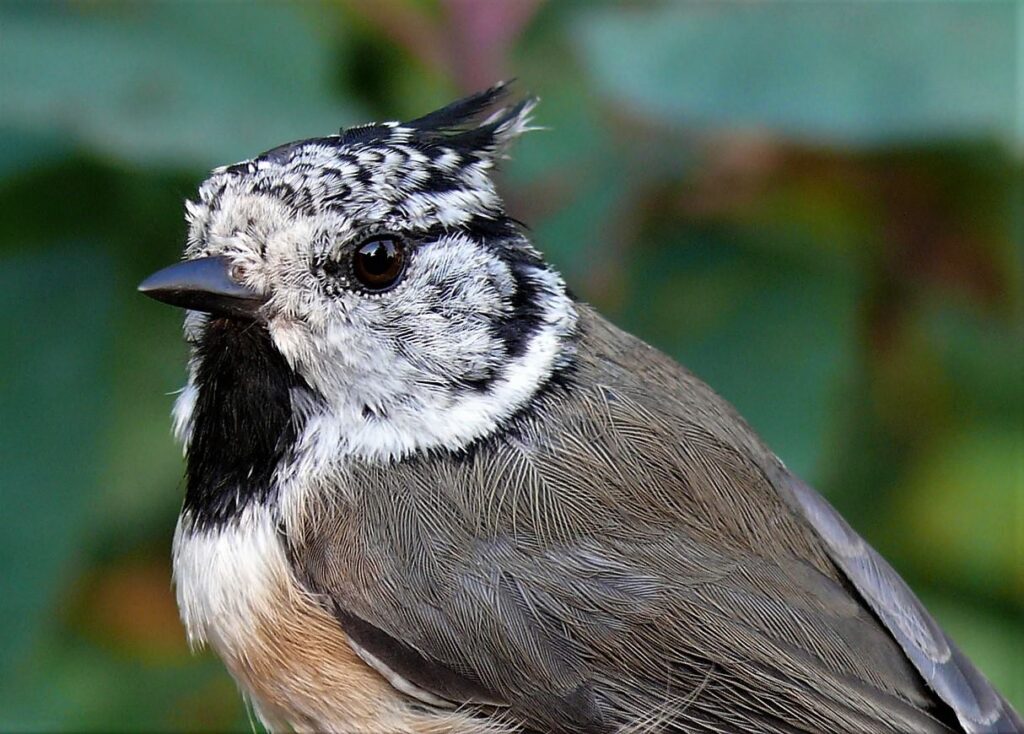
[380, 268]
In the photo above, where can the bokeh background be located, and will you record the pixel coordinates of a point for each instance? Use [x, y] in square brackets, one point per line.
[817, 207]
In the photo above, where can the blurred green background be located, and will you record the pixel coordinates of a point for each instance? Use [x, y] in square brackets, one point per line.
[817, 207]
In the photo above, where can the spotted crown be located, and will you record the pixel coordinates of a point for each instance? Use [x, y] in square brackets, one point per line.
[428, 174]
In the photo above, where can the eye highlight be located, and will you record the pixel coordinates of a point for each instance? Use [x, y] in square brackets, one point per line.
[379, 262]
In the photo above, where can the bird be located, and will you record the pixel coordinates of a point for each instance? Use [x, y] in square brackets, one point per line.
[430, 490]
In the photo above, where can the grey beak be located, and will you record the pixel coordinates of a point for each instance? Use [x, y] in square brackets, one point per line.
[203, 284]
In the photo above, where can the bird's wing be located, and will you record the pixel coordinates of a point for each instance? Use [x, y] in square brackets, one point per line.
[617, 557]
[579, 624]
[977, 705]
[430, 603]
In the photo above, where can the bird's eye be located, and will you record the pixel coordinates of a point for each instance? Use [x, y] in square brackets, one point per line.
[379, 262]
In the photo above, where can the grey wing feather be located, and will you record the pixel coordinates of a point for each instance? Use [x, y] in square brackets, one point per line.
[437, 607]
[979, 708]
[629, 558]
[412, 665]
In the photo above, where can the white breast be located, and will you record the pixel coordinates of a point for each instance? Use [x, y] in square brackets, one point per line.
[226, 578]
[288, 654]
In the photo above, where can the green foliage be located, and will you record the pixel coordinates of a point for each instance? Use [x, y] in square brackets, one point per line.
[847, 73]
[57, 315]
[168, 84]
[816, 207]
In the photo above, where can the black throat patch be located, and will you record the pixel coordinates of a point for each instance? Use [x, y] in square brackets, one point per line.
[242, 423]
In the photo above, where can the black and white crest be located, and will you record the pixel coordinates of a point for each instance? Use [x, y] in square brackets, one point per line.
[431, 172]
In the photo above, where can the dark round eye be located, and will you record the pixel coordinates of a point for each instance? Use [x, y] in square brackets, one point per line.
[379, 262]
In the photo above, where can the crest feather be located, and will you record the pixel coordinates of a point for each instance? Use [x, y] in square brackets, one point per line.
[459, 125]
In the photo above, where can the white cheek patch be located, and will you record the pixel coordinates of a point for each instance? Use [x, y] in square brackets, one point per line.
[473, 272]
[408, 412]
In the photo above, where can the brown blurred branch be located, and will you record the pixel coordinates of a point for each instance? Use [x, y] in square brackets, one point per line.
[468, 42]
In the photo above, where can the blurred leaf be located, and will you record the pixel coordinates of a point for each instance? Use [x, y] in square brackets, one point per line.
[168, 83]
[962, 504]
[77, 686]
[774, 337]
[849, 73]
[23, 150]
[56, 337]
[576, 238]
[568, 135]
[143, 468]
[563, 180]
[129, 607]
[984, 360]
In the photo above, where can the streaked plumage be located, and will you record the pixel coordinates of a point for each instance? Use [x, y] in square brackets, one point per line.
[466, 502]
